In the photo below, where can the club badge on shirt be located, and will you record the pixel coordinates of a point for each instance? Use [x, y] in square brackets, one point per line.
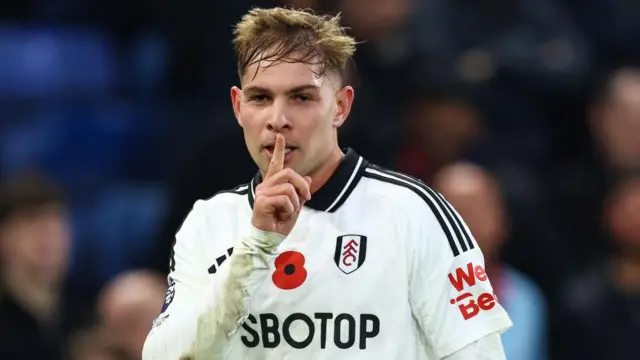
[351, 251]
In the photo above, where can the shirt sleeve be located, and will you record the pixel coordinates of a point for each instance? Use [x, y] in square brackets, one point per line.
[450, 294]
[174, 330]
[488, 348]
[199, 317]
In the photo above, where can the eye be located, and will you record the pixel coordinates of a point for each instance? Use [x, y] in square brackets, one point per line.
[302, 97]
[258, 98]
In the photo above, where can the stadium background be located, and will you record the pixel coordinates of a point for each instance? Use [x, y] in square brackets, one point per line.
[124, 105]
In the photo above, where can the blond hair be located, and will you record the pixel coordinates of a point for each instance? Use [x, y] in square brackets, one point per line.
[287, 35]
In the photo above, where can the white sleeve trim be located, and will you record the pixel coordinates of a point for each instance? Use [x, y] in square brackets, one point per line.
[499, 324]
[486, 348]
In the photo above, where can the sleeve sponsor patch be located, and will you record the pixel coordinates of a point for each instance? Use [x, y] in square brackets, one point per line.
[168, 299]
[157, 322]
[474, 292]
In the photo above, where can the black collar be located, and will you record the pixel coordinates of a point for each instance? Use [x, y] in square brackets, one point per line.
[336, 191]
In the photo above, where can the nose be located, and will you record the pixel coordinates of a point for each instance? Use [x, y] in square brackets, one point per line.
[278, 120]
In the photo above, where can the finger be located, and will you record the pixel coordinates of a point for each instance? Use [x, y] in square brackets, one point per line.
[302, 186]
[282, 189]
[277, 158]
[281, 206]
[290, 176]
[308, 180]
[303, 199]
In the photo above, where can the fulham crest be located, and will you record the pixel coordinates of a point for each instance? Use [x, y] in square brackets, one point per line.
[351, 250]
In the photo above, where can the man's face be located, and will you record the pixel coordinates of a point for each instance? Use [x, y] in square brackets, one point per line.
[289, 98]
[37, 244]
[444, 130]
[128, 306]
[476, 197]
[617, 125]
[624, 216]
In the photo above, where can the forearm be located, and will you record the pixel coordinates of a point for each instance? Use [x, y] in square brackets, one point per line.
[174, 332]
[200, 323]
[248, 268]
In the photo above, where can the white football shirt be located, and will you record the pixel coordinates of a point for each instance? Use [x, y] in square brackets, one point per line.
[378, 266]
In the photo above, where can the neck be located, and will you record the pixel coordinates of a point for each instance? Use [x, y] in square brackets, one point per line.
[39, 298]
[627, 272]
[321, 175]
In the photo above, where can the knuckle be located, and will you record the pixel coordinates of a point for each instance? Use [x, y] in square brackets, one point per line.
[301, 181]
[291, 190]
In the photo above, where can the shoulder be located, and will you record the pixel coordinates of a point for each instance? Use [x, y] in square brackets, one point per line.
[216, 208]
[402, 189]
[226, 198]
[206, 218]
[428, 213]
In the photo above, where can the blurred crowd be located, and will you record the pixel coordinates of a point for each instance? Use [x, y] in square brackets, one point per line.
[115, 118]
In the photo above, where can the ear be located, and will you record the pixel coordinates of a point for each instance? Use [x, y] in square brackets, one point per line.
[344, 100]
[236, 100]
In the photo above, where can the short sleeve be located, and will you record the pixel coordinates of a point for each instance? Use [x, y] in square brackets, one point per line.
[174, 330]
[450, 293]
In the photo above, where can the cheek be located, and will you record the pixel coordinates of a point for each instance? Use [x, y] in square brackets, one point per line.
[249, 116]
[315, 125]
[252, 126]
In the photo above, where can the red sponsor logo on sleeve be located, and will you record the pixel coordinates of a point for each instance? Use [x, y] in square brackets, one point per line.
[469, 304]
[469, 275]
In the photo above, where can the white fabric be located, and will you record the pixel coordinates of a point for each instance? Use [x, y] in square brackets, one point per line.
[487, 348]
[382, 280]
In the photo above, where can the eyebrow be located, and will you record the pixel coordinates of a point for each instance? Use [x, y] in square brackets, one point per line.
[294, 90]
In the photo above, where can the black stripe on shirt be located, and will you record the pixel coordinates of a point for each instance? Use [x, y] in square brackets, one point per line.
[459, 221]
[438, 206]
[441, 200]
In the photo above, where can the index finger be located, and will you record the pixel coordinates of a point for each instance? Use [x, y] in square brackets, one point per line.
[277, 159]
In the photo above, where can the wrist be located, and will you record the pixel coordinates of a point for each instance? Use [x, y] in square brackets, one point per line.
[259, 239]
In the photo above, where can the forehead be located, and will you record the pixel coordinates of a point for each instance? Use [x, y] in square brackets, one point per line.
[284, 75]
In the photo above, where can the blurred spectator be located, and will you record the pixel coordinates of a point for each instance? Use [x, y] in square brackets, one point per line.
[577, 186]
[477, 197]
[127, 307]
[616, 121]
[94, 344]
[441, 128]
[383, 17]
[37, 313]
[599, 314]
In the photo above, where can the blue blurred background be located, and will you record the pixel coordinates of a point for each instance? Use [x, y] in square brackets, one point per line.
[124, 106]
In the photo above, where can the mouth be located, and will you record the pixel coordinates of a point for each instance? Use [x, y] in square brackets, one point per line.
[270, 148]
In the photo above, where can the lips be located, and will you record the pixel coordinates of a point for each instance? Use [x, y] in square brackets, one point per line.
[270, 148]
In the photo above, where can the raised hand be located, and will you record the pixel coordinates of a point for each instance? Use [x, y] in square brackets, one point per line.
[280, 196]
